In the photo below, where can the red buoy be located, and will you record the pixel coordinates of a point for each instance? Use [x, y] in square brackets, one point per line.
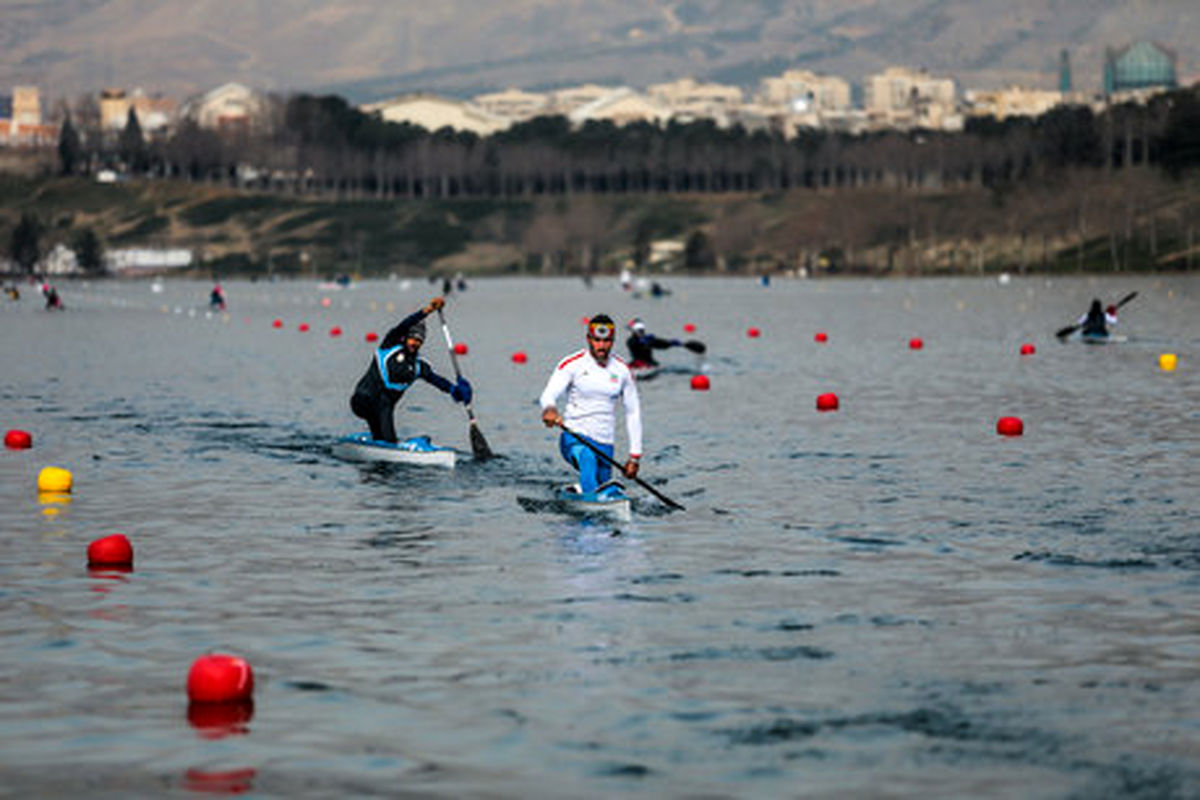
[460, 349]
[277, 323]
[700, 383]
[110, 551]
[1010, 426]
[302, 327]
[915, 343]
[519, 357]
[1028, 349]
[326, 302]
[335, 331]
[689, 328]
[18, 440]
[220, 678]
[753, 333]
[821, 336]
[827, 402]
[372, 336]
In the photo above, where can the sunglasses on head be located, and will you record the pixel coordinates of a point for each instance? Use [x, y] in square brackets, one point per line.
[600, 330]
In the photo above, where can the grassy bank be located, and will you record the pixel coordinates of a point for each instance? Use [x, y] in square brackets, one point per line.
[1087, 221]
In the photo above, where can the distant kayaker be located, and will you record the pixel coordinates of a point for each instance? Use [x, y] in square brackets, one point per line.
[395, 366]
[53, 301]
[216, 298]
[1096, 321]
[593, 380]
[642, 344]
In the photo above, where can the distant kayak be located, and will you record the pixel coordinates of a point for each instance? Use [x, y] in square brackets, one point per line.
[417, 450]
[1102, 338]
[643, 371]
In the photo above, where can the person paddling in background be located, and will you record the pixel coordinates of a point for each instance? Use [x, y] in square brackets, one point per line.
[216, 299]
[593, 380]
[395, 366]
[1096, 321]
[53, 301]
[642, 344]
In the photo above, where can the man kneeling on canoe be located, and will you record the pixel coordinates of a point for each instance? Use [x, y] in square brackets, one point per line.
[396, 366]
[593, 379]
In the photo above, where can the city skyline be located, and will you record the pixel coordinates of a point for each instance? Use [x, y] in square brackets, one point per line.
[368, 50]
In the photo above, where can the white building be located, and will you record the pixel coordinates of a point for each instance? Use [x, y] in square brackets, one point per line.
[231, 106]
[514, 104]
[621, 107]
[434, 113]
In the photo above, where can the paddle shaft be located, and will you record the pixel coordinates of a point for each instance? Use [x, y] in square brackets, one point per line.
[1067, 331]
[478, 444]
[613, 462]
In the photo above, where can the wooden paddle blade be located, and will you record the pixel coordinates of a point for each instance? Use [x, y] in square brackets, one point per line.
[479, 445]
[695, 346]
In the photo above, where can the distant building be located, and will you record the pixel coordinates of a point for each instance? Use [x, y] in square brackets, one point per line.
[21, 121]
[564, 101]
[904, 98]
[621, 107]
[1141, 65]
[26, 105]
[229, 107]
[154, 114]
[1064, 72]
[687, 100]
[146, 260]
[1014, 101]
[802, 91]
[514, 104]
[433, 113]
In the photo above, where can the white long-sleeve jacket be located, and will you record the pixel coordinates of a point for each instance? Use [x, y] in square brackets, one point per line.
[592, 391]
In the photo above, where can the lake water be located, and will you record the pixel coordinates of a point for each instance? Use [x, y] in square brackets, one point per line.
[889, 599]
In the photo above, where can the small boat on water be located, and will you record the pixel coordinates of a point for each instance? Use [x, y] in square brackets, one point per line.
[416, 450]
[1102, 338]
[643, 371]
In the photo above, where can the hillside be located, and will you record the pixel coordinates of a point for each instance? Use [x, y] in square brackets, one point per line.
[1086, 220]
[367, 49]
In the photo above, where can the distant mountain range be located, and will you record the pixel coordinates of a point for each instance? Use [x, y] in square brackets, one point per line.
[370, 49]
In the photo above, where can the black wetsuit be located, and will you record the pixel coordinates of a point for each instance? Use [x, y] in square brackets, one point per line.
[1094, 324]
[642, 346]
[375, 398]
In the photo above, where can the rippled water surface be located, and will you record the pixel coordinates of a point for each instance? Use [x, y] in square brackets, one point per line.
[888, 599]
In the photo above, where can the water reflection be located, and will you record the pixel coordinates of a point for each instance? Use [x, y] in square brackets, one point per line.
[231, 781]
[220, 720]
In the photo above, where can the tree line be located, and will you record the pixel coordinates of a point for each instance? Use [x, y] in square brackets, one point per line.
[321, 145]
[1110, 189]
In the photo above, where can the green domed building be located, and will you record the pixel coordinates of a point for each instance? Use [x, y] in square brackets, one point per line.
[1141, 65]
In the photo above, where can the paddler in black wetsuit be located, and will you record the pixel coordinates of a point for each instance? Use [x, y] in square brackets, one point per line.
[395, 366]
[1096, 321]
[642, 345]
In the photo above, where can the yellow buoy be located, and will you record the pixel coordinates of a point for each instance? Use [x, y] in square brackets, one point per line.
[1168, 362]
[54, 479]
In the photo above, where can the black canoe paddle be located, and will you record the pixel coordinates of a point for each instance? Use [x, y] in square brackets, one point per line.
[1067, 331]
[695, 346]
[479, 445]
[614, 463]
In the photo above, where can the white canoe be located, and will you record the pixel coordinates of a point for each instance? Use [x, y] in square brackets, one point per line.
[617, 506]
[416, 450]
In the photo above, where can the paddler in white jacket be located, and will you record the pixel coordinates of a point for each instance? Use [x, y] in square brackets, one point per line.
[593, 380]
